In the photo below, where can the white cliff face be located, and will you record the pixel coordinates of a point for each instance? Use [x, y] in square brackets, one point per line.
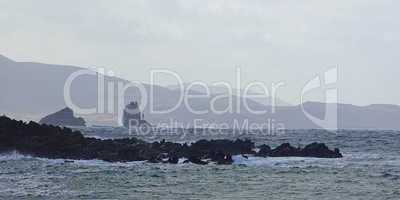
[64, 117]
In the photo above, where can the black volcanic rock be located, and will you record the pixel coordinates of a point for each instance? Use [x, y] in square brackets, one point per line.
[226, 146]
[320, 150]
[317, 150]
[64, 117]
[173, 159]
[264, 151]
[54, 142]
[284, 150]
[222, 158]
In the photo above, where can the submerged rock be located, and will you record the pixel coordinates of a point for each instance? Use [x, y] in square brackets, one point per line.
[64, 117]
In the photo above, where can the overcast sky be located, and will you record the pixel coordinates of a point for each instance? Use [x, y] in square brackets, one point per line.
[271, 40]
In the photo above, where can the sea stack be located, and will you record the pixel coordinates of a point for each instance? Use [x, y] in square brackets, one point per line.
[133, 116]
[64, 117]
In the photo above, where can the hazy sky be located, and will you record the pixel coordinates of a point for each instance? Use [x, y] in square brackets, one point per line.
[271, 40]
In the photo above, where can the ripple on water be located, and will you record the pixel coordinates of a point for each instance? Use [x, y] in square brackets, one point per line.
[370, 169]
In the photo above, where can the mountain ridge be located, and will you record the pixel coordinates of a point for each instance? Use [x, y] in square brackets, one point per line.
[36, 88]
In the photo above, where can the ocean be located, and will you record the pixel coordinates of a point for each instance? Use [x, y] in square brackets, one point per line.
[370, 169]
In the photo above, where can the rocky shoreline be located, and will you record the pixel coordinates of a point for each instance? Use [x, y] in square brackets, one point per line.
[54, 142]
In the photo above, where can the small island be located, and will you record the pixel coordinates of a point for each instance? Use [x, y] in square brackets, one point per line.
[64, 117]
[54, 142]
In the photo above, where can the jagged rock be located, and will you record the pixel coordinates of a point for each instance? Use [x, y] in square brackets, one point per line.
[226, 146]
[284, 150]
[317, 150]
[222, 158]
[53, 142]
[64, 117]
[320, 150]
[264, 151]
[173, 159]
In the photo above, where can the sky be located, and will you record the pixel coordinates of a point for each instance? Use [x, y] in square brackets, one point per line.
[289, 41]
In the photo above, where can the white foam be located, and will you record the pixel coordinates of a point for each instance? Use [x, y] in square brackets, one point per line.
[181, 160]
[284, 161]
[14, 155]
[94, 162]
[104, 163]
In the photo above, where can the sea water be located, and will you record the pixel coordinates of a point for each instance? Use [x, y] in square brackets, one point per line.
[370, 169]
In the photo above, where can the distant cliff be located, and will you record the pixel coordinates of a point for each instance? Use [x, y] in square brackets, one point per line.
[64, 117]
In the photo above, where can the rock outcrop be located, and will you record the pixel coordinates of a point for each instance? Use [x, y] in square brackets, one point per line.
[133, 117]
[318, 150]
[64, 117]
[53, 142]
